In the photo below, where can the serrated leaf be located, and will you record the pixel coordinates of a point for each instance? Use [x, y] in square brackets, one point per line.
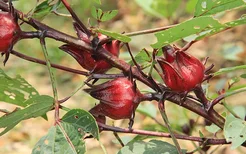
[117, 36]
[15, 90]
[151, 147]
[208, 7]
[82, 119]
[103, 15]
[39, 105]
[187, 28]
[147, 109]
[62, 138]
[212, 128]
[235, 131]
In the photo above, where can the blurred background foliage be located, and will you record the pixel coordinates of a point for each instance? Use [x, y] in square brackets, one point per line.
[225, 50]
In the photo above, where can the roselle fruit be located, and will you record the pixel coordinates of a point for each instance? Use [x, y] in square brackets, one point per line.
[91, 62]
[181, 71]
[9, 30]
[119, 98]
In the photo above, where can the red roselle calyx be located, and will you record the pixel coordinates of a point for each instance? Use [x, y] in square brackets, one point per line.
[9, 29]
[181, 71]
[91, 62]
[119, 98]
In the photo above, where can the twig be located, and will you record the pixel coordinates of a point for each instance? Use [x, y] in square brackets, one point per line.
[76, 18]
[52, 77]
[119, 140]
[148, 31]
[209, 141]
[164, 116]
[35, 60]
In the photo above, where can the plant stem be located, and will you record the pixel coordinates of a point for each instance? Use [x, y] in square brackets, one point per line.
[230, 110]
[52, 77]
[148, 31]
[164, 116]
[76, 18]
[35, 60]
[209, 141]
[119, 139]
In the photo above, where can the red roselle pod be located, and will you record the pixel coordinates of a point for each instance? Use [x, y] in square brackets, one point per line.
[119, 98]
[9, 29]
[91, 62]
[181, 71]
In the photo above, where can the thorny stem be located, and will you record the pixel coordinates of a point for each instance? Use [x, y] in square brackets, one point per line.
[164, 116]
[209, 141]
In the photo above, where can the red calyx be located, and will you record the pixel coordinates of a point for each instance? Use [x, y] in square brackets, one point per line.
[119, 98]
[181, 71]
[8, 31]
[91, 62]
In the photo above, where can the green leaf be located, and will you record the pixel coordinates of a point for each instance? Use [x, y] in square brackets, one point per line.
[187, 28]
[243, 76]
[103, 15]
[212, 128]
[208, 7]
[143, 59]
[165, 7]
[229, 69]
[15, 90]
[45, 8]
[233, 81]
[147, 109]
[219, 28]
[151, 147]
[39, 105]
[159, 8]
[240, 111]
[201, 134]
[62, 138]
[190, 6]
[116, 36]
[235, 131]
[82, 119]
[98, 2]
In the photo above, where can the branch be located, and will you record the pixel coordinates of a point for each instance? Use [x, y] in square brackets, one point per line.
[190, 104]
[209, 141]
[42, 62]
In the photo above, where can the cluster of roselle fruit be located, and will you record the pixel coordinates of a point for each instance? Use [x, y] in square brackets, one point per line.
[119, 97]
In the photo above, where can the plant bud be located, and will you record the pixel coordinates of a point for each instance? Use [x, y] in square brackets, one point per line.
[119, 98]
[91, 62]
[181, 72]
[8, 31]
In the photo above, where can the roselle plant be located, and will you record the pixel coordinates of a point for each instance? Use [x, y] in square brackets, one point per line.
[168, 73]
